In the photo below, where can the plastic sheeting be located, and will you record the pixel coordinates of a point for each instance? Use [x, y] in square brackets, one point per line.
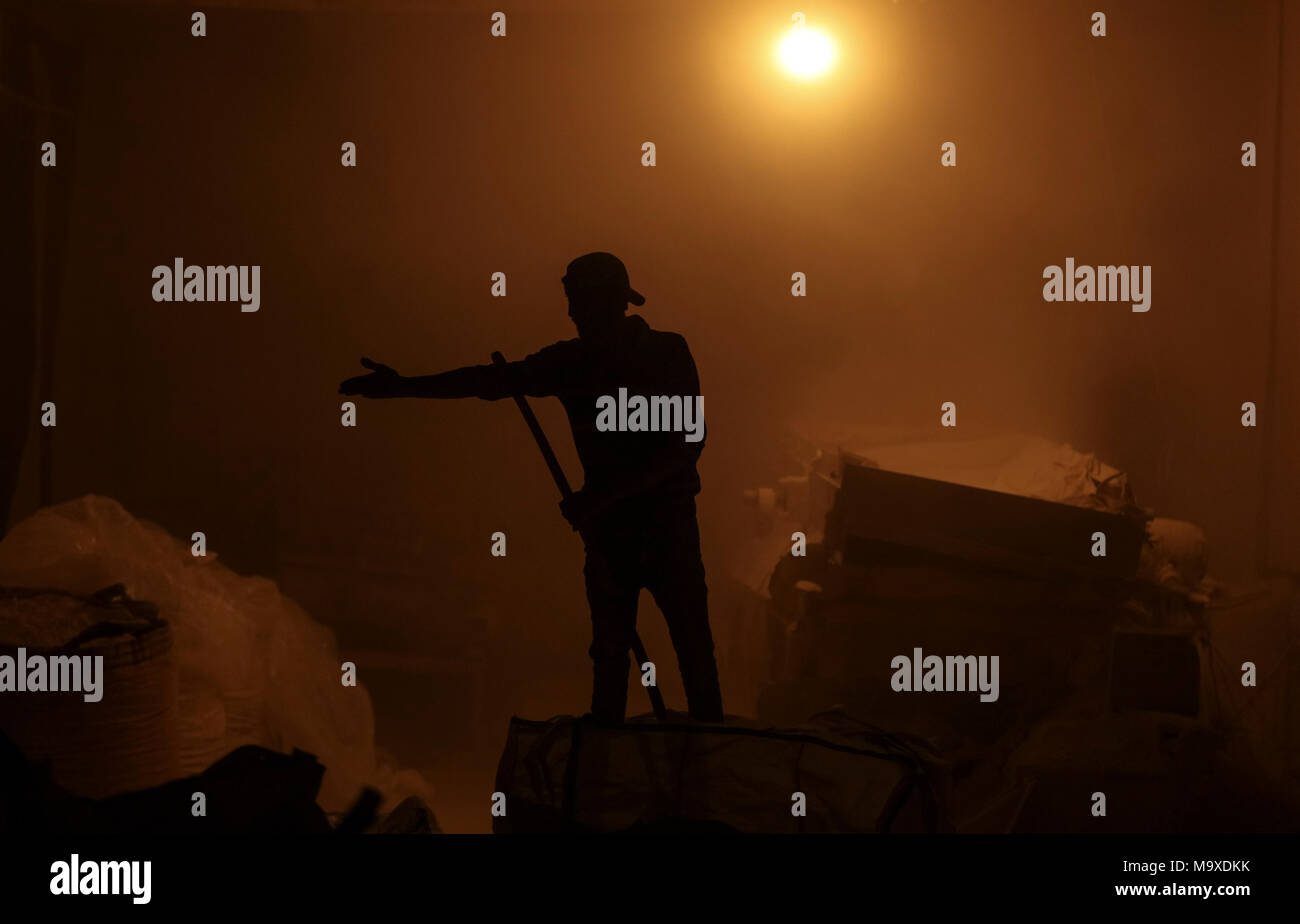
[254, 667]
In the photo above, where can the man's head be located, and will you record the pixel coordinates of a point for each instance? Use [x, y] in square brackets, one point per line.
[598, 290]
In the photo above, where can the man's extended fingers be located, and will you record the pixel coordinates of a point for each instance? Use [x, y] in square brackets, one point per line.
[379, 368]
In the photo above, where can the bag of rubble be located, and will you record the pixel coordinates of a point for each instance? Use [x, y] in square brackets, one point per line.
[647, 776]
[253, 667]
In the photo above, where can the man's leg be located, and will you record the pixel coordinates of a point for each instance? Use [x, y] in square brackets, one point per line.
[676, 580]
[612, 595]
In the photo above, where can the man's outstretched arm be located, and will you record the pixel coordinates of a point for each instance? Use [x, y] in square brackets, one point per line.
[488, 382]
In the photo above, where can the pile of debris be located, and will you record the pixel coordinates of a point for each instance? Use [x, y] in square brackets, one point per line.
[213, 662]
[1016, 554]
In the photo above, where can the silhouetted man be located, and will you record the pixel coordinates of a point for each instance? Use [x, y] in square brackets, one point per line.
[636, 509]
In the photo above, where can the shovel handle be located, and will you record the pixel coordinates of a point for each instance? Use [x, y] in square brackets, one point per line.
[561, 482]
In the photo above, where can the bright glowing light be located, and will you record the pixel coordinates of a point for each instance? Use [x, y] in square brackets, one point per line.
[806, 53]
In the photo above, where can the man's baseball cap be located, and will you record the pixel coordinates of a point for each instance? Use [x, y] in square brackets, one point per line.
[600, 270]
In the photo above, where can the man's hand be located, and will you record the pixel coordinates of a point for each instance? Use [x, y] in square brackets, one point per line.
[382, 382]
[579, 508]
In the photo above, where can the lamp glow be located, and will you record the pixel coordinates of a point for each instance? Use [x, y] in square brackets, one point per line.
[806, 53]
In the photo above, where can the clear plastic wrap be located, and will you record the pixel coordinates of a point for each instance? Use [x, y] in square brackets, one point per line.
[254, 667]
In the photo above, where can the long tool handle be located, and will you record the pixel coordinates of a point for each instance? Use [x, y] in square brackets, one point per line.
[542, 442]
[561, 482]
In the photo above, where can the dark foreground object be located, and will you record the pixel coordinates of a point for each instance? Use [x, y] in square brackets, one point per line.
[679, 776]
[251, 790]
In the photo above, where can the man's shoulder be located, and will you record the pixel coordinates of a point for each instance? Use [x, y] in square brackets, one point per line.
[667, 340]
